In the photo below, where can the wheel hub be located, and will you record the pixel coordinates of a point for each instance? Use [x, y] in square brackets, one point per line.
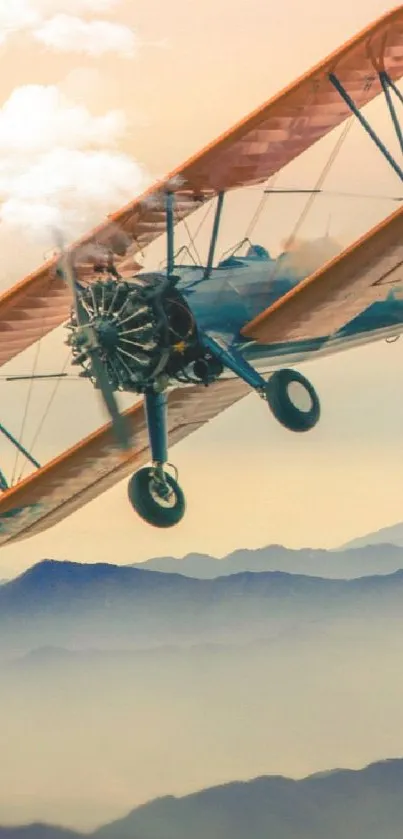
[299, 396]
[162, 494]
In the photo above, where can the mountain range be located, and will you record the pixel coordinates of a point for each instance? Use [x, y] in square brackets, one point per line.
[145, 676]
[114, 607]
[343, 803]
[390, 535]
[347, 563]
[380, 552]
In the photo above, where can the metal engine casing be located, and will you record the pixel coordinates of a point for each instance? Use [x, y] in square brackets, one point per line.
[143, 328]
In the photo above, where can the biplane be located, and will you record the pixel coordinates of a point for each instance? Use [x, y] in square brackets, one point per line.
[191, 340]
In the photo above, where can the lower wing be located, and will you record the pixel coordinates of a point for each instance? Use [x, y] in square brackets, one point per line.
[85, 471]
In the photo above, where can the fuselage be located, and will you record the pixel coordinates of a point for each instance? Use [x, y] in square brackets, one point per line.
[240, 288]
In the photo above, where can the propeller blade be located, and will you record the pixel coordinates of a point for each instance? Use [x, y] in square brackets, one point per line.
[68, 274]
[119, 422]
[98, 370]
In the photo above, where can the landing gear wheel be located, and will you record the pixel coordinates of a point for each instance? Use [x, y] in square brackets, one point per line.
[293, 400]
[162, 505]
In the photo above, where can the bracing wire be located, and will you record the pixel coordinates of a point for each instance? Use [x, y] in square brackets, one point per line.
[192, 241]
[30, 392]
[193, 236]
[45, 413]
[312, 193]
[320, 181]
[203, 220]
[254, 220]
[259, 209]
[26, 410]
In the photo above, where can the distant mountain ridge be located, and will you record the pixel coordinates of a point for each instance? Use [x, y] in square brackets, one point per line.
[392, 535]
[110, 607]
[376, 553]
[347, 563]
[340, 804]
[39, 831]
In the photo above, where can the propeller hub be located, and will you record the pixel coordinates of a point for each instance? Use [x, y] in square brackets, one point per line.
[107, 332]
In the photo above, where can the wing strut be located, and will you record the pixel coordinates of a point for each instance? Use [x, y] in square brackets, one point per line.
[385, 82]
[21, 449]
[214, 236]
[384, 78]
[19, 446]
[170, 222]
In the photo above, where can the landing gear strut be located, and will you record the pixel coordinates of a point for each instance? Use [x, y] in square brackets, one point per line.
[290, 396]
[293, 400]
[153, 492]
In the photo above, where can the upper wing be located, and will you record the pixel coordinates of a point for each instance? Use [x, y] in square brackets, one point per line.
[87, 470]
[338, 292]
[249, 153]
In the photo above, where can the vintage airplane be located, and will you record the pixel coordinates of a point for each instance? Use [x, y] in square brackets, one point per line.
[192, 339]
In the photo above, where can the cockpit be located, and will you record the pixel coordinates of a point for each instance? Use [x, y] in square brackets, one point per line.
[255, 253]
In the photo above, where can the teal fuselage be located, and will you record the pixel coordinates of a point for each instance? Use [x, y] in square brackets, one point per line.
[239, 289]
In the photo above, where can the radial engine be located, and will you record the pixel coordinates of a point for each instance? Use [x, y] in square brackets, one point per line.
[146, 334]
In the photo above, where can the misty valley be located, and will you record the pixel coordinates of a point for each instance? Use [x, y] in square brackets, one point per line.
[122, 685]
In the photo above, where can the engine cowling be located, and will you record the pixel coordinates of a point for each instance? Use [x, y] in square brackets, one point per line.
[143, 329]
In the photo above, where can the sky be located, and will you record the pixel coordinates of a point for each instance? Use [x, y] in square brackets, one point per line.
[97, 99]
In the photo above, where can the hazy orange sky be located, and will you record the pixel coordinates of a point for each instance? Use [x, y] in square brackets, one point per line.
[248, 481]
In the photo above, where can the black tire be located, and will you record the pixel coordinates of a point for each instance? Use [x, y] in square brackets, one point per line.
[145, 501]
[284, 408]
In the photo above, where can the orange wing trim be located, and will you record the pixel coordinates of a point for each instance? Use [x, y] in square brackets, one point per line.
[331, 297]
[254, 149]
[90, 468]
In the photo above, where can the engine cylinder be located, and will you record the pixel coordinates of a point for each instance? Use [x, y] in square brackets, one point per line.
[142, 330]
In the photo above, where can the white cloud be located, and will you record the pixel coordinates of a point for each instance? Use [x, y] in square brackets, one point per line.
[21, 14]
[57, 166]
[69, 189]
[50, 24]
[16, 15]
[73, 34]
[38, 117]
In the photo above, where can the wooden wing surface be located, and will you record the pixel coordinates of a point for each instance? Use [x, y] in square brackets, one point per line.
[249, 153]
[87, 470]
